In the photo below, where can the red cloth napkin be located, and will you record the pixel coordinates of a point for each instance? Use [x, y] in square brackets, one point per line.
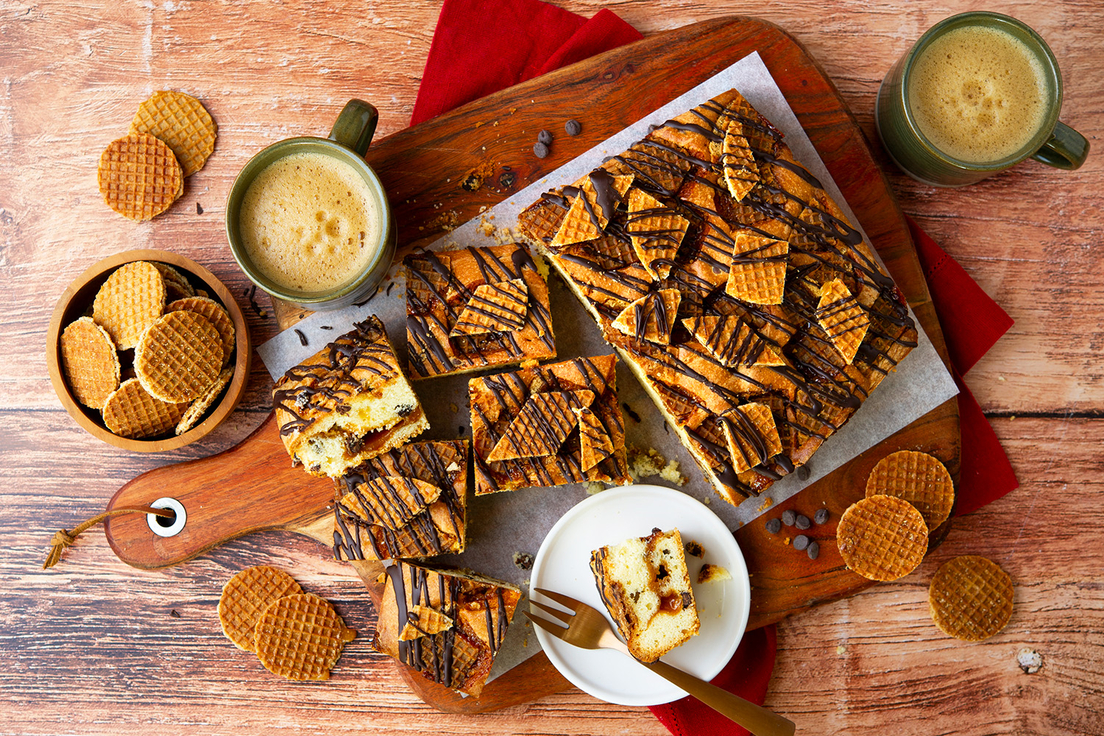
[482, 46]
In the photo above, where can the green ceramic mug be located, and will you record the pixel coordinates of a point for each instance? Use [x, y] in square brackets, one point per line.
[309, 221]
[977, 94]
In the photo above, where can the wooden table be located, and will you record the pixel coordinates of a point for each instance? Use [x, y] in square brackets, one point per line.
[95, 646]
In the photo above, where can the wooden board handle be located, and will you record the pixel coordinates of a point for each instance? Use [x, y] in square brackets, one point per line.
[250, 487]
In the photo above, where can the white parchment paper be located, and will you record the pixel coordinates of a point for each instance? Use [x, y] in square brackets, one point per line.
[504, 523]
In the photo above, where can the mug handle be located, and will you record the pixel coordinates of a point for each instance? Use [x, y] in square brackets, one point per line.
[1065, 149]
[355, 126]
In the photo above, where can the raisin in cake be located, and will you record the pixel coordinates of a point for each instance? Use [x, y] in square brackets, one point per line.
[347, 403]
[445, 624]
[753, 312]
[646, 588]
[409, 502]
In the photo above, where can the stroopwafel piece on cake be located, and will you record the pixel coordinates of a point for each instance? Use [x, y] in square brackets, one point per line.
[184, 125]
[300, 636]
[475, 308]
[882, 537]
[347, 403]
[447, 625]
[920, 479]
[129, 301]
[246, 596]
[526, 425]
[645, 585]
[406, 503]
[781, 300]
[139, 176]
[90, 362]
[970, 598]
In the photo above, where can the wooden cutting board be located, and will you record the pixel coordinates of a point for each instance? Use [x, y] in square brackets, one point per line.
[443, 173]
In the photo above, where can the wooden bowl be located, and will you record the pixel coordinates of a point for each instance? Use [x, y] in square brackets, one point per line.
[79, 296]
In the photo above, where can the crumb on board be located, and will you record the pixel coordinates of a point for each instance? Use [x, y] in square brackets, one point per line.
[767, 503]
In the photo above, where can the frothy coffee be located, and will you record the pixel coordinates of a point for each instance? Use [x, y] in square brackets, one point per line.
[978, 94]
[309, 223]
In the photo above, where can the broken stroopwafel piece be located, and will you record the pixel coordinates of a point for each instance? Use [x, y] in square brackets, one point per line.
[300, 637]
[200, 406]
[424, 621]
[918, 478]
[970, 598]
[656, 232]
[751, 434]
[651, 317]
[732, 341]
[178, 357]
[139, 176]
[177, 285]
[499, 307]
[595, 444]
[597, 196]
[882, 537]
[758, 272]
[741, 173]
[184, 125]
[541, 426]
[129, 301]
[90, 362]
[131, 412]
[246, 596]
[843, 318]
[215, 313]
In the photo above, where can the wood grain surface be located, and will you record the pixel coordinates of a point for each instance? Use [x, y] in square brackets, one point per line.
[94, 646]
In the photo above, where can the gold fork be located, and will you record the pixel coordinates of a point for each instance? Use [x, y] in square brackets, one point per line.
[589, 629]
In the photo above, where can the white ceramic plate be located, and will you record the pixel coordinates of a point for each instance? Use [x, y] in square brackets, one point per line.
[563, 565]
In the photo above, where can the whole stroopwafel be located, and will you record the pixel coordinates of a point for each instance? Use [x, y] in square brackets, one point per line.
[179, 357]
[970, 598]
[882, 537]
[90, 362]
[183, 123]
[918, 478]
[300, 637]
[200, 406]
[139, 176]
[215, 313]
[246, 596]
[131, 412]
[132, 299]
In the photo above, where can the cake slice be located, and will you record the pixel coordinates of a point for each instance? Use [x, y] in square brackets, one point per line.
[548, 425]
[405, 503]
[347, 403]
[447, 625]
[646, 588]
[475, 308]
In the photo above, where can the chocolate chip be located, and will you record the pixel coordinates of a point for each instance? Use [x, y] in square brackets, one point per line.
[540, 150]
[302, 338]
[821, 516]
[803, 473]
[802, 522]
[545, 137]
[199, 210]
[788, 517]
[774, 526]
[813, 551]
[573, 127]
[800, 542]
[174, 613]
